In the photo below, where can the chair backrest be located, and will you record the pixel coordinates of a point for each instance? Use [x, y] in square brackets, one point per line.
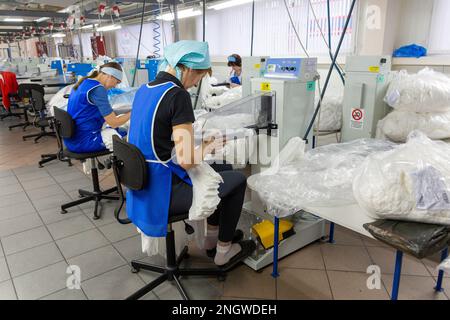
[131, 165]
[37, 100]
[24, 90]
[65, 126]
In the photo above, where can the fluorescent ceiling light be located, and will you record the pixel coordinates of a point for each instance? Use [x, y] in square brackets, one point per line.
[42, 19]
[89, 26]
[110, 27]
[181, 14]
[13, 20]
[11, 27]
[58, 35]
[229, 4]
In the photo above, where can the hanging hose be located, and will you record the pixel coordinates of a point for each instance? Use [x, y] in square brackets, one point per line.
[156, 39]
[139, 43]
[329, 41]
[199, 89]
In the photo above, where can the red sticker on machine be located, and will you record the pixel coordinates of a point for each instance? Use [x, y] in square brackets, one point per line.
[357, 120]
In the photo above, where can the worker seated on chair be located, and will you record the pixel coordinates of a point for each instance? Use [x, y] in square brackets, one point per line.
[235, 62]
[162, 113]
[95, 121]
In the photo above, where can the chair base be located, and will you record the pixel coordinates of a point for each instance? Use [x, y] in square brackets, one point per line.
[87, 196]
[40, 135]
[9, 115]
[96, 195]
[171, 273]
[53, 156]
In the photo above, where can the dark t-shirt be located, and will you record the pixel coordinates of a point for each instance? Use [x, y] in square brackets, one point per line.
[175, 109]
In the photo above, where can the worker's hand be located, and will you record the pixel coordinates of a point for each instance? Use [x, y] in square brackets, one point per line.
[213, 144]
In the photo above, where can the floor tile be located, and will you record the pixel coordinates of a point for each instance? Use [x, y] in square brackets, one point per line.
[25, 240]
[51, 202]
[113, 285]
[106, 211]
[36, 194]
[70, 226]
[16, 210]
[65, 177]
[33, 259]
[66, 294]
[369, 242]
[54, 214]
[13, 199]
[10, 189]
[414, 288]
[246, 283]
[6, 173]
[385, 259]
[81, 243]
[83, 183]
[309, 257]
[301, 284]
[116, 231]
[32, 175]
[4, 272]
[7, 291]
[97, 262]
[8, 180]
[345, 258]
[347, 237]
[42, 282]
[353, 286]
[25, 169]
[130, 248]
[38, 183]
[19, 224]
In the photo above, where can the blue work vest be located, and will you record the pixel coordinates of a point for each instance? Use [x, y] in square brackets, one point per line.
[88, 120]
[148, 209]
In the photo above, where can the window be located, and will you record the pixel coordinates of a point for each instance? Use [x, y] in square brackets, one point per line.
[440, 23]
[229, 30]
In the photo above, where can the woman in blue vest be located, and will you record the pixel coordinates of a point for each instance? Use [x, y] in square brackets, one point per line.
[161, 114]
[235, 62]
[89, 107]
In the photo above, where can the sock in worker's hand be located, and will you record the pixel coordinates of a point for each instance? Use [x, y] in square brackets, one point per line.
[225, 253]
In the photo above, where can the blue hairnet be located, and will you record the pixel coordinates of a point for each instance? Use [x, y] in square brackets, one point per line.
[192, 54]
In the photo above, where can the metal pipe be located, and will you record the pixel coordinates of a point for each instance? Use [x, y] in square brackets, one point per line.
[175, 21]
[347, 22]
[139, 43]
[253, 28]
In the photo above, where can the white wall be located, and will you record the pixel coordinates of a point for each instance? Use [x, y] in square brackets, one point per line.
[414, 22]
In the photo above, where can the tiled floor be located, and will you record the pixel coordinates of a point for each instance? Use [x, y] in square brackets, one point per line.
[37, 244]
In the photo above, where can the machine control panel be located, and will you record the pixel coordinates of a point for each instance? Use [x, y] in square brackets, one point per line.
[291, 68]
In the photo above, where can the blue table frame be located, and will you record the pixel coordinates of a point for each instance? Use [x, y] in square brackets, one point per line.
[398, 261]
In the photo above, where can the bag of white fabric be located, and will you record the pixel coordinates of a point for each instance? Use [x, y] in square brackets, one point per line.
[331, 114]
[321, 177]
[58, 100]
[409, 183]
[426, 91]
[397, 125]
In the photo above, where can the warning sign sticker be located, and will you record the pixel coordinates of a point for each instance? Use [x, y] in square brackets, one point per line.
[357, 119]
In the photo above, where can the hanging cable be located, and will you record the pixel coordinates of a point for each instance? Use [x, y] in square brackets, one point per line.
[139, 43]
[204, 39]
[295, 29]
[329, 40]
[338, 49]
[252, 39]
[327, 43]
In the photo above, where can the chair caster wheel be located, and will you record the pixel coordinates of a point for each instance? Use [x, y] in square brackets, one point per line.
[187, 256]
[63, 211]
[24, 139]
[134, 270]
[221, 277]
[95, 218]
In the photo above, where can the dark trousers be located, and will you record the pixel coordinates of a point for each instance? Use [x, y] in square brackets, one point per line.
[231, 193]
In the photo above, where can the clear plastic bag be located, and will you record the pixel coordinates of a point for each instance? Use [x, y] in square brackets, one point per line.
[58, 100]
[409, 183]
[397, 125]
[320, 177]
[123, 102]
[426, 91]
